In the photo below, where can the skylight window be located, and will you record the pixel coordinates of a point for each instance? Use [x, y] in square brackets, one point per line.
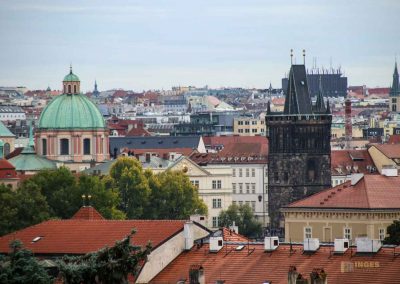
[35, 240]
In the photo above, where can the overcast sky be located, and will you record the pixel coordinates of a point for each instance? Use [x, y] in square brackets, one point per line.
[154, 44]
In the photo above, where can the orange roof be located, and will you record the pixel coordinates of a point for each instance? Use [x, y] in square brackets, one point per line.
[230, 236]
[138, 131]
[392, 151]
[6, 165]
[394, 139]
[252, 265]
[371, 192]
[345, 162]
[79, 236]
[87, 213]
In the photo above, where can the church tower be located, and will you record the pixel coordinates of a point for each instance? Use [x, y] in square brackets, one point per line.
[299, 146]
[394, 95]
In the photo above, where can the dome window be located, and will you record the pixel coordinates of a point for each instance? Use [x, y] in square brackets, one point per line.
[86, 146]
[64, 146]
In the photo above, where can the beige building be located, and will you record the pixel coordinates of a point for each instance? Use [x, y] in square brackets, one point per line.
[385, 156]
[364, 206]
[249, 126]
[213, 181]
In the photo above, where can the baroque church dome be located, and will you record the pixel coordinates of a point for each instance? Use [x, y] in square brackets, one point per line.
[71, 110]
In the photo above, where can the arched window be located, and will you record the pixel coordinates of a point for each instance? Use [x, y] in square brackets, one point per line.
[86, 146]
[74, 89]
[69, 89]
[64, 146]
[44, 147]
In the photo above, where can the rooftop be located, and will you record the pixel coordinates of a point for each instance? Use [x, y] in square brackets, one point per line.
[371, 192]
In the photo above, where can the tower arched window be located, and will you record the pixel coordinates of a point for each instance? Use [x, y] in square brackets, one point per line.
[64, 146]
[311, 171]
[74, 89]
[86, 146]
[69, 89]
[7, 149]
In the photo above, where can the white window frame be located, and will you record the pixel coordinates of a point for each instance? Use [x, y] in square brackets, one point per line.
[382, 234]
[347, 233]
[307, 232]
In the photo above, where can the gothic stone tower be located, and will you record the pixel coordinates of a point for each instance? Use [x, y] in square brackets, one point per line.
[299, 146]
[394, 95]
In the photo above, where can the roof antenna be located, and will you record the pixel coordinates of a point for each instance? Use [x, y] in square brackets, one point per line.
[291, 57]
[304, 56]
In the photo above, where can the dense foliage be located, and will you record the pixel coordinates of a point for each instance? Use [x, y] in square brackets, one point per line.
[243, 217]
[20, 266]
[128, 192]
[393, 232]
[108, 265]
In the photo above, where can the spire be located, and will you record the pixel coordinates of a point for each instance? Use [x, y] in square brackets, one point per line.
[395, 89]
[70, 68]
[291, 57]
[297, 98]
[320, 105]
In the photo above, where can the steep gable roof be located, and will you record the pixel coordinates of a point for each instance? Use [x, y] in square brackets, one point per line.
[87, 213]
[297, 100]
[392, 151]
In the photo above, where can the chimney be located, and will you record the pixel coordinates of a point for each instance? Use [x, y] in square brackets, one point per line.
[201, 219]
[271, 243]
[188, 234]
[389, 171]
[365, 244]
[341, 245]
[311, 244]
[216, 244]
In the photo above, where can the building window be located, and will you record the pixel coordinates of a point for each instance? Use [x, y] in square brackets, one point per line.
[247, 130]
[253, 188]
[64, 146]
[253, 172]
[69, 89]
[216, 184]
[254, 122]
[86, 146]
[247, 122]
[382, 234]
[311, 171]
[75, 89]
[307, 232]
[240, 130]
[253, 206]
[195, 183]
[215, 222]
[240, 122]
[7, 149]
[240, 172]
[233, 172]
[254, 130]
[240, 203]
[247, 172]
[234, 202]
[44, 147]
[347, 233]
[216, 203]
[234, 187]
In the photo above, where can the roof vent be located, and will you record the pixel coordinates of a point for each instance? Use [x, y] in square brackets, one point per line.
[311, 244]
[366, 244]
[216, 244]
[341, 245]
[271, 243]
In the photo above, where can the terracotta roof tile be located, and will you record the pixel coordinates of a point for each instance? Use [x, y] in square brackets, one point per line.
[231, 236]
[253, 265]
[345, 162]
[87, 213]
[371, 192]
[392, 151]
[82, 236]
[394, 139]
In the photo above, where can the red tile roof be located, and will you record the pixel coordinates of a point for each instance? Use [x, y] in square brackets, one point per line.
[394, 139]
[7, 170]
[138, 131]
[371, 192]
[252, 265]
[392, 151]
[230, 236]
[82, 236]
[345, 162]
[87, 213]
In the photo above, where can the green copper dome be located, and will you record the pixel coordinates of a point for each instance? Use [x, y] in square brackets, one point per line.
[29, 161]
[71, 77]
[71, 112]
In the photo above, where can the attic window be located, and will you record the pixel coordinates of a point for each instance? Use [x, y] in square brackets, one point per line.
[302, 83]
[143, 142]
[160, 142]
[35, 240]
[238, 248]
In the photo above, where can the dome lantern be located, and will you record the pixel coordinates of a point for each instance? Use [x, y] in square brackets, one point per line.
[71, 83]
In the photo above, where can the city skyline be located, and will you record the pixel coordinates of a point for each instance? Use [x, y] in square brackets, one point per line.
[138, 46]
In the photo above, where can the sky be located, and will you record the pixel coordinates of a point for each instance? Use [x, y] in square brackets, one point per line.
[155, 44]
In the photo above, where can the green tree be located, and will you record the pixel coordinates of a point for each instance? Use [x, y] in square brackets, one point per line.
[243, 217]
[132, 185]
[20, 266]
[108, 265]
[393, 231]
[20, 208]
[173, 196]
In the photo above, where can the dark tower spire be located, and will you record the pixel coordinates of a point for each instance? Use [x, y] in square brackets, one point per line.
[395, 89]
[320, 105]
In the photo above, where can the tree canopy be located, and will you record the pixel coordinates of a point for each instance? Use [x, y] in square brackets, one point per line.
[243, 217]
[393, 231]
